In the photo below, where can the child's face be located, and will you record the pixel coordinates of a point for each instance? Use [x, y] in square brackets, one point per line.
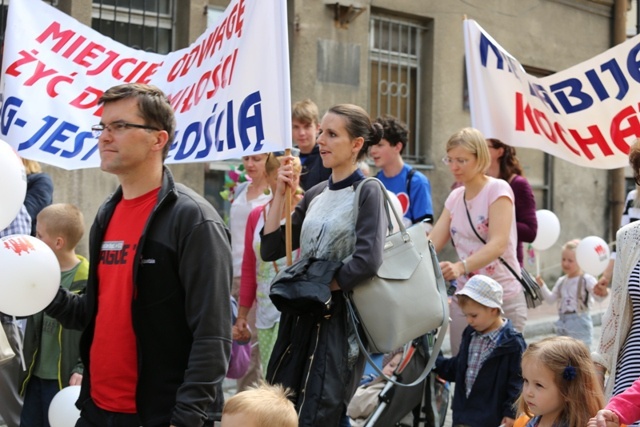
[42, 234]
[569, 263]
[237, 420]
[390, 367]
[481, 318]
[540, 392]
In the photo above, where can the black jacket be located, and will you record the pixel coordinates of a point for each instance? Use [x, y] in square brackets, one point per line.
[313, 171]
[39, 195]
[497, 386]
[181, 312]
[316, 355]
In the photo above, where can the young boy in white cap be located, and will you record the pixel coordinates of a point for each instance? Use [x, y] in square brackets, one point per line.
[487, 368]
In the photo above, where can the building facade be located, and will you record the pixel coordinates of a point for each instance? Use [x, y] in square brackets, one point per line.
[402, 57]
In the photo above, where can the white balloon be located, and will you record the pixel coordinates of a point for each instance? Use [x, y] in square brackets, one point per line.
[592, 255]
[548, 230]
[29, 275]
[14, 184]
[63, 411]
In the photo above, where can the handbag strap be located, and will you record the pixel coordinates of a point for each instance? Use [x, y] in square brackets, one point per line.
[432, 356]
[264, 218]
[505, 263]
[389, 208]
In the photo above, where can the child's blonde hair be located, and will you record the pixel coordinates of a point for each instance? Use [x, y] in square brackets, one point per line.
[31, 166]
[65, 220]
[267, 405]
[571, 245]
[273, 163]
[574, 374]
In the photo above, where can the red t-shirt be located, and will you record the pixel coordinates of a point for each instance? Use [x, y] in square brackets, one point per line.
[114, 357]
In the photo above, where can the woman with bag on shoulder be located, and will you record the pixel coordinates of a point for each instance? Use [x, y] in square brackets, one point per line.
[479, 218]
[316, 355]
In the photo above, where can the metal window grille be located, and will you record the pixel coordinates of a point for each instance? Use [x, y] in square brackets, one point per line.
[142, 24]
[4, 8]
[395, 70]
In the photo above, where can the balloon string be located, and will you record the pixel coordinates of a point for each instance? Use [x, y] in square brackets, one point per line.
[539, 270]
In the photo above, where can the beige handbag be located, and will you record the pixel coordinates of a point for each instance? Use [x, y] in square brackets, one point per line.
[407, 298]
[6, 352]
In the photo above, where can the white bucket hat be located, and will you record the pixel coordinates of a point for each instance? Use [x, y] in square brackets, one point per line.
[483, 290]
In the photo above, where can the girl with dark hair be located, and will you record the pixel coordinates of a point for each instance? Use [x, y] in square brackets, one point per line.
[316, 355]
[505, 165]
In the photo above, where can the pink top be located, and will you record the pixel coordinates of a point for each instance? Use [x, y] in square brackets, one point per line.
[626, 405]
[466, 241]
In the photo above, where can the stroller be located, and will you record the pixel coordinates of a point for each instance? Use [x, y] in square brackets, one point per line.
[422, 405]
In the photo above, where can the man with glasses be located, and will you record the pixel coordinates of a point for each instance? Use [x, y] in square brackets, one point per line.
[156, 313]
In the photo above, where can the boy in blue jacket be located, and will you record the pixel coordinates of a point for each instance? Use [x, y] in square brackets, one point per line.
[487, 368]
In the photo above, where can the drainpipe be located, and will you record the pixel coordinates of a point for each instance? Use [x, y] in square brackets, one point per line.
[616, 176]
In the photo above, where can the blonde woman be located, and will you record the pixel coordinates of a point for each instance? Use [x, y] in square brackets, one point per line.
[480, 209]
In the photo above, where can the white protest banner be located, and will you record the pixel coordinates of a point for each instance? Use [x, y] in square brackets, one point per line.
[587, 114]
[230, 89]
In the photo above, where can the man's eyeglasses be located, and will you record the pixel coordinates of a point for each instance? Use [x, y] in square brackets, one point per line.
[449, 161]
[117, 128]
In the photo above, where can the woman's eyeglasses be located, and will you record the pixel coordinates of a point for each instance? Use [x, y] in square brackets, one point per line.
[449, 161]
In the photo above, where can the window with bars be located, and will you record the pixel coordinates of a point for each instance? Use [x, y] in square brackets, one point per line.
[395, 72]
[4, 8]
[142, 24]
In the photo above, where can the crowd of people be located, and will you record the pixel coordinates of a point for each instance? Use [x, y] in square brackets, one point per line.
[147, 324]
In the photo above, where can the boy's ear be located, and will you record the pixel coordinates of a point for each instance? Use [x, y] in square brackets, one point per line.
[398, 147]
[60, 242]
